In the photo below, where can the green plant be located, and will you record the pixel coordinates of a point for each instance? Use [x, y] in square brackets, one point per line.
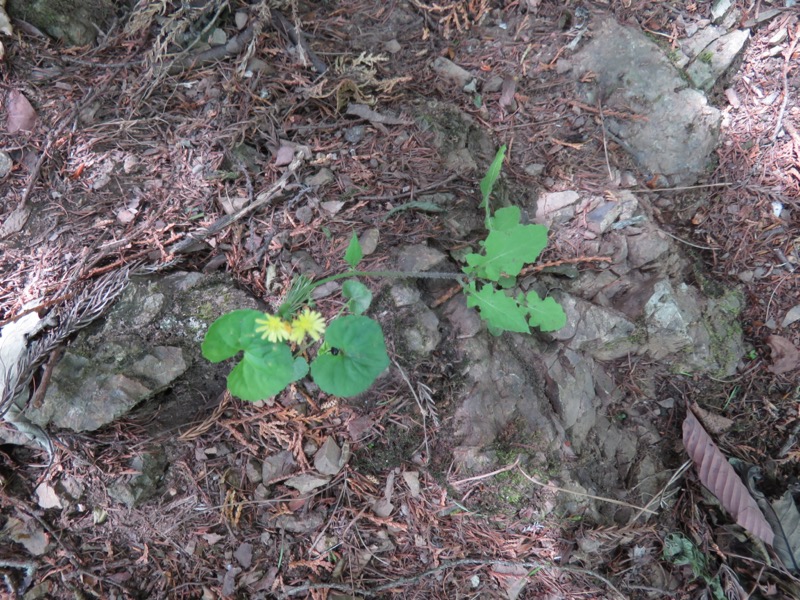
[353, 352]
[680, 550]
[706, 57]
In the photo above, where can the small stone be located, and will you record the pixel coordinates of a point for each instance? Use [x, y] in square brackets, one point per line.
[304, 214]
[627, 180]
[556, 207]
[323, 177]
[792, 316]
[534, 169]
[47, 497]
[412, 481]
[779, 37]
[277, 465]
[307, 482]
[563, 66]
[369, 241]
[354, 134]
[6, 164]
[328, 458]
[293, 524]
[404, 295]
[602, 217]
[326, 289]
[29, 534]
[218, 38]
[253, 471]
[332, 207]
[240, 18]
[392, 47]
[244, 555]
[447, 69]
[493, 85]
[719, 9]
[419, 258]
[422, 334]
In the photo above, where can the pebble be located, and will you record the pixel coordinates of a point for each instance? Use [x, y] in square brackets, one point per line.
[6, 164]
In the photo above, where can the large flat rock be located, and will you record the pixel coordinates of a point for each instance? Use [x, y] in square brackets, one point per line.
[673, 130]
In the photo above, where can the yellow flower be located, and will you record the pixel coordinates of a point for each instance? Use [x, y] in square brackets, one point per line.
[273, 329]
[307, 323]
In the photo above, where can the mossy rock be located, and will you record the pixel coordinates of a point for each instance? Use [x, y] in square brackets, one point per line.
[75, 22]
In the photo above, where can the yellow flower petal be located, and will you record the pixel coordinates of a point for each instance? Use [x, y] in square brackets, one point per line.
[308, 323]
[273, 329]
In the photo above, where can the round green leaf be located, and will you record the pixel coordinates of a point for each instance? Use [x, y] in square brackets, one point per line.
[357, 356]
[230, 334]
[358, 295]
[265, 370]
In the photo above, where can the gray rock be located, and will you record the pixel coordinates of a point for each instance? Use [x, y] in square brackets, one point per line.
[6, 164]
[680, 131]
[599, 332]
[73, 22]
[322, 177]
[404, 295]
[418, 258]
[307, 482]
[369, 240]
[450, 71]
[719, 9]
[421, 331]
[668, 316]
[149, 340]
[137, 489]
[575, 400]
[354, 134]
[465, 321]
[647, 248]
[714, 60]
[534, 169]
[392, 47]
[298, 524]
[278, 465]
[493, 85]
[556, 207]
[601, 218]
[328, 459]
[253, 471]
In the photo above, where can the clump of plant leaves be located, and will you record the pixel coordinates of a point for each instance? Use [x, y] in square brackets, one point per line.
[680, 550]
[353, 352]
[508, 248]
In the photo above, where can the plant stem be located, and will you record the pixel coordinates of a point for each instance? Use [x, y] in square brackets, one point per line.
[392, 274]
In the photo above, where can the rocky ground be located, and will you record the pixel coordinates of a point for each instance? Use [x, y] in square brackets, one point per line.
[188, 160]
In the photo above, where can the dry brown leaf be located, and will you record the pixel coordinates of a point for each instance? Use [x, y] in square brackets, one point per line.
[20, 115]
[713, 422]
[785, 356]
[720, 478]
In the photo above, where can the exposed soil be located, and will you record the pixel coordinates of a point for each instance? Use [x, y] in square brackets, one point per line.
[138, 147]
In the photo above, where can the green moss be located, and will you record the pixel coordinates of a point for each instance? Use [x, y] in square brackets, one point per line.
[706, 57]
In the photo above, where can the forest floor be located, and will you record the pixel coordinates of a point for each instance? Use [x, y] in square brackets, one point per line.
[136, 145]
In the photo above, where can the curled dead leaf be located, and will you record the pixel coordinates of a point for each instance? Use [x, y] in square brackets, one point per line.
[721, 479]
[785, 355]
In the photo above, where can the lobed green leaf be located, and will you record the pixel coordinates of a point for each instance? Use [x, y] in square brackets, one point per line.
[547, 314]
[500, 311]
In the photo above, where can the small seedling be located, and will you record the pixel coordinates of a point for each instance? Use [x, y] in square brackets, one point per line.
[352, 352]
